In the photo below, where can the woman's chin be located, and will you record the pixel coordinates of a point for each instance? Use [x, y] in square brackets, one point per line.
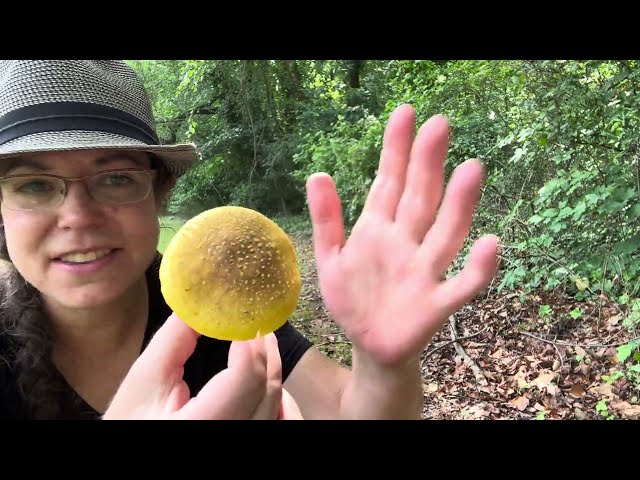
[88, 296]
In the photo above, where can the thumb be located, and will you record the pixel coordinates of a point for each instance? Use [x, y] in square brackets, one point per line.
[168, 350]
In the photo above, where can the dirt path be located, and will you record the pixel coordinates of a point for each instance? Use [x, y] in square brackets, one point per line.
[536, 366]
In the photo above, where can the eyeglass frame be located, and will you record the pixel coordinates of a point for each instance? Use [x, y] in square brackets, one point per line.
[67, 180]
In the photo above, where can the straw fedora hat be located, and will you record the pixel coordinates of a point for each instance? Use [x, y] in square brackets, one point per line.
[53, 105]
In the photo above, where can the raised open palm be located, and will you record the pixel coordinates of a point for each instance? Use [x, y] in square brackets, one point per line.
[386, 285]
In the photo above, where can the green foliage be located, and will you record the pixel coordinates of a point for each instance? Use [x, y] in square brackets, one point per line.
[545, 311]
[559, 141]
[603, 409]
[350, 154]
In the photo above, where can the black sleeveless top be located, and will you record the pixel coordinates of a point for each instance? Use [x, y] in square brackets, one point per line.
[209, 358]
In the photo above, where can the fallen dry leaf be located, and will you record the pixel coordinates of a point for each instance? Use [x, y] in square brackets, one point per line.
[631, 412]
[534, 361]
[605, 389]
[543, 382]
[497, 354]
[490, 375]
[579, 414]
[611, 352]
[577, 391]
[477, 411]
[521, 378]
[613, 320]
[511, 368]
[520, 403]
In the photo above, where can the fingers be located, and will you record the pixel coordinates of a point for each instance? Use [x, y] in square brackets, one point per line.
[155, 378]
[167, 352]
[425, 177]
[326, 216]
[388, 185]
[236, 392]
[473, 278]
[447, 235]
[270, 404]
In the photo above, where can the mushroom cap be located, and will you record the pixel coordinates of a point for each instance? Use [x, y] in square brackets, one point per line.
[231, 273]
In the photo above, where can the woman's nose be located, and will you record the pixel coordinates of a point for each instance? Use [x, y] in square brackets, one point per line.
[79, 209]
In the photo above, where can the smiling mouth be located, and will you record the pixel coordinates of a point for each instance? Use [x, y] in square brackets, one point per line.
[88, 257]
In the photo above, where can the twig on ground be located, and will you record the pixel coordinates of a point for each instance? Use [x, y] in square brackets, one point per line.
[559, 356]
[338, 342]
[477, 372]
[449, 342]
[570, 344]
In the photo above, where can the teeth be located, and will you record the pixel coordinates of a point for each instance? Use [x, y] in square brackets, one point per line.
[85, 257]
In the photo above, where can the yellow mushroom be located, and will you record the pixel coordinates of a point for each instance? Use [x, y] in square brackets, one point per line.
[231, 273]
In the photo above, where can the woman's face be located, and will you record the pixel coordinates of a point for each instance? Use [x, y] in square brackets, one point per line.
[82, 253]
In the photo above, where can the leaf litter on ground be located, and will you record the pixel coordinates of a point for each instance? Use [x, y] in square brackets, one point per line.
[553, 366]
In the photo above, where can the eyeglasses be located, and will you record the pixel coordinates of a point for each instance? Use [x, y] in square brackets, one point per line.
[38, 192]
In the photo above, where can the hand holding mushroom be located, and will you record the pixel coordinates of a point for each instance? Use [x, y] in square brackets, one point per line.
[229, 273]
[386, 285]
[250, 388]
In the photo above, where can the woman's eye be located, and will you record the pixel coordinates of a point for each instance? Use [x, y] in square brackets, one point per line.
[117, 179]
[34, 186]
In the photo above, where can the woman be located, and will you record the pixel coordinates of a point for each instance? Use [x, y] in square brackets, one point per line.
[82, 179]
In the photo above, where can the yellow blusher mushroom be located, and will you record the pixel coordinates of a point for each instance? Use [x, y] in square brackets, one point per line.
[231, 273]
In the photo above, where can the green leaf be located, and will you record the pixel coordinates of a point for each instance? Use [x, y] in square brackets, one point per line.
[575, 313]
[565, 212]
[557, 226]
[634, 212]
[628, 246]
[545, 310]
[524, 133]
[624, 352]
[581, 207]
[592, 198]
[519, 153]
